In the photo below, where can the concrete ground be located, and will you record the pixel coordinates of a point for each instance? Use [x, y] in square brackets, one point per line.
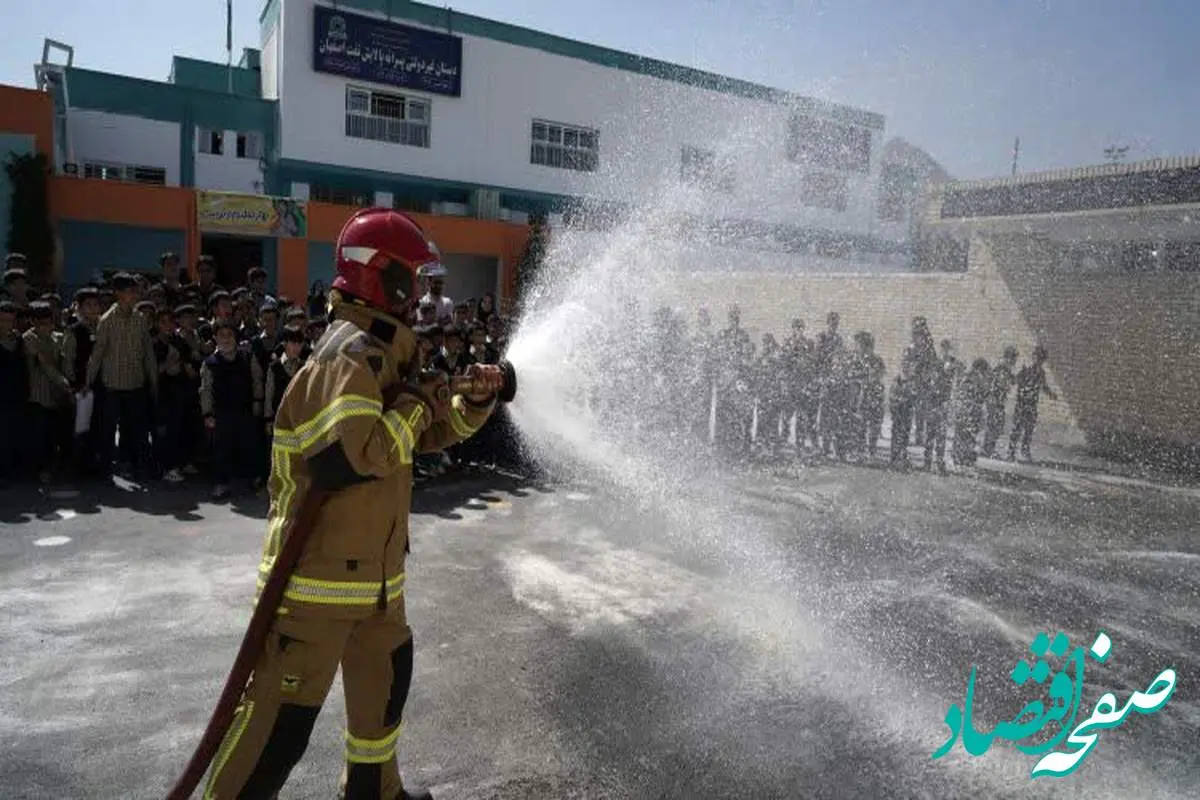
[792, 635]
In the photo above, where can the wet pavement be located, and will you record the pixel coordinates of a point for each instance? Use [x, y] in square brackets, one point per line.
[798, 634]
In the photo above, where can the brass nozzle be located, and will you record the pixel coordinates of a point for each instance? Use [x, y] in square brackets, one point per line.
[465, 385]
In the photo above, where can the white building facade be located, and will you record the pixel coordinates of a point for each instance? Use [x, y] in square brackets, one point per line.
[399, 103]
[428, 98]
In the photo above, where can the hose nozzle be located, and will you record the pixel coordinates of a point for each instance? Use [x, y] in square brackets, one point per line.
[465, 385]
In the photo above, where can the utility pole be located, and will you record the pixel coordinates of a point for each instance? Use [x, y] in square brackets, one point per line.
[1016, 154]
[229, 45]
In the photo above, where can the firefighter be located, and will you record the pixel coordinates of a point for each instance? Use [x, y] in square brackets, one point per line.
[348, 424]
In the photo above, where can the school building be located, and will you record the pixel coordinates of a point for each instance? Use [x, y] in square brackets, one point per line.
[473, 125]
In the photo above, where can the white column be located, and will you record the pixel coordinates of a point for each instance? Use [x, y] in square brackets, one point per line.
[300, 190]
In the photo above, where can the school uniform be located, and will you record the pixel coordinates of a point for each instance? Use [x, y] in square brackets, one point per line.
[1031, 383]
[49, 400]
[169, 419]
[902, 403]
[230, 395]
[78, 343]
[14, 397]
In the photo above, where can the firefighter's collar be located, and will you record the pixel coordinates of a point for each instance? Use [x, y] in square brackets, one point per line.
[382, 327]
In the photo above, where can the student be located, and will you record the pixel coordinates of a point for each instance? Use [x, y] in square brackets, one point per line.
[1001, 382]
[479, 351]
[281, 370]
[49, 393]
[169, 412]
[193, 349]
[230, 401]
[902, 402]
[872, 400]
[973, 393]
[485, 310]
[452, 357]
[78, 343]
[220, 307]
[1031, 384]
[462, 313]
[939, 388]
[123, 359]
[14, 395]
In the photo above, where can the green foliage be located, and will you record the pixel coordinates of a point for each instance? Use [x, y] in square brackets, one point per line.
[29, 228]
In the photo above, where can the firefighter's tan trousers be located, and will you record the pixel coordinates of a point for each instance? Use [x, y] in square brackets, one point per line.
[291, 680]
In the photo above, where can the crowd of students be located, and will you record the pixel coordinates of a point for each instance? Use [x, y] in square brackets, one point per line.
[828, 396]
[189, 374]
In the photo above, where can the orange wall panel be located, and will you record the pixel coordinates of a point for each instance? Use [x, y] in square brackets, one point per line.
[462, 235]
[291, 269]
[29, 112]
[122, 203]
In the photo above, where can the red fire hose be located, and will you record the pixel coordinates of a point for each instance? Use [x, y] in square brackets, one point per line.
[252, 646]
[268, 603]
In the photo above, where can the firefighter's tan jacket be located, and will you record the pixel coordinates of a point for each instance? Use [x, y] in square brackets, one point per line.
[333, 431]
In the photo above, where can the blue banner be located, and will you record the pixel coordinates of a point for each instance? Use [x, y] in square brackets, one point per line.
[379, 51]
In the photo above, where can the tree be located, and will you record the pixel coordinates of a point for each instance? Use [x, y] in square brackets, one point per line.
[29, 228]
[531, 260]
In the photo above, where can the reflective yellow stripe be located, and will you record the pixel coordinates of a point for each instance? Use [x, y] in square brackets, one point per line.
[309, 433]
[288, 442]
[371, 751]
[240, 721]
[281, 467]
[457, 419]
[340, 593]
[402, 435]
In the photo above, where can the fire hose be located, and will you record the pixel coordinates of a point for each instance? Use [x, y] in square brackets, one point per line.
[272, 595]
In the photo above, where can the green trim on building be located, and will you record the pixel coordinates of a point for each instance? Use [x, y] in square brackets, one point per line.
[167, 102]
[446, 19]
[210, 76]
[188, 106]
[251, 58]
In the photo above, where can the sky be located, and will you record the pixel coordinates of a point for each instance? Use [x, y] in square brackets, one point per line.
[959, 78]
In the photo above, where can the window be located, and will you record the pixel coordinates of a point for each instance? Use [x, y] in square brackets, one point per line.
[824, 190]
[125, 172]
[249, 145]
[699, 167]
[340, 196]
[565, 146]
[386, 117]
[824, 143]
[212, 142]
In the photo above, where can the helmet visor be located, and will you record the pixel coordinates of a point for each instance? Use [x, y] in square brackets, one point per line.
[399, 285]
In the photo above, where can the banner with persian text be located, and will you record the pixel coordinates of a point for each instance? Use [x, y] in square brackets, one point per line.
[380, 51]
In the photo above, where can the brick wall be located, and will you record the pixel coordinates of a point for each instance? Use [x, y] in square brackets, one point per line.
[1124, 349]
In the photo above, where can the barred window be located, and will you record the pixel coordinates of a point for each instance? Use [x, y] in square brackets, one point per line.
[386, 117]
[700, 167]
[125, 172]
[340, 196]
[565, 146]
[830, 145]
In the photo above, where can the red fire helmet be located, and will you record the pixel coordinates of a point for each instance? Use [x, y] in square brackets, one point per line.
[379, 253]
